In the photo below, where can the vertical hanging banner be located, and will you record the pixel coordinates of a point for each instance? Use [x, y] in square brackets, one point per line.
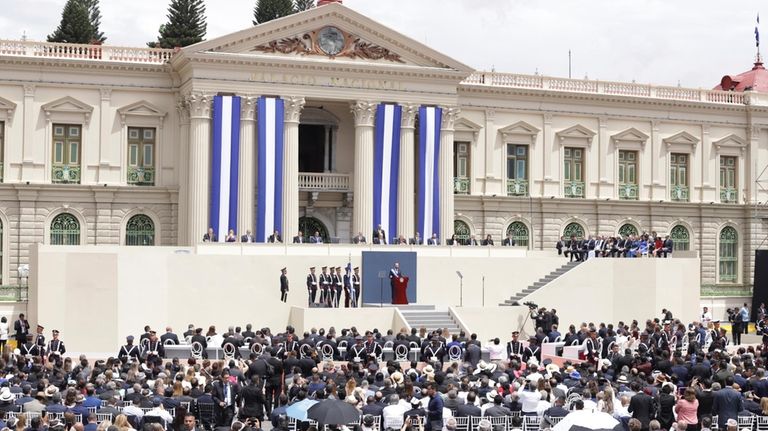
[386, 169]
[225, 165]
[269, 215]
[428, 218]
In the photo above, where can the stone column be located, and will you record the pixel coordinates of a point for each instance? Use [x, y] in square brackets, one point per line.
[247, 178]
[200, 107]
[446, 172]
[405, 181]
[293, 107]
[603, 142]
[182, 108]
[548, 186]
[28, 153]
[362, 212]
[105, 157]
[710, 192]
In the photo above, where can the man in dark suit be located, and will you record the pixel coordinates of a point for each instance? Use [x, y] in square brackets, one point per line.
[210, 236]
[299, 239]
[642, 406]
[416, 240]
[225, 395]
[574, 248]
[559, 246]
[21, 326]
[190, 331]
[508, 241]
[556, 411]
[200, 338]
[169, 335]
[311, 286]
[372, 407]
[469, 408]
[666, 247]
[434, 240]
[380, 234]
[325, 286]
[727, 403]
[284, 285]
[355, 287]
[275, 238]
[359, 239]
[338, 286]
[248, 237]
[316, 238]
[472, 240]
[394, 274]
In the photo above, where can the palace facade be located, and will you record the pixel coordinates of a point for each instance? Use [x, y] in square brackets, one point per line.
[110, 145]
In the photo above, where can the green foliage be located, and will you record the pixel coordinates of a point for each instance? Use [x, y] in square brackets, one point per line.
[302, 5]
[80, 21]
[267, 10]
[186, 25]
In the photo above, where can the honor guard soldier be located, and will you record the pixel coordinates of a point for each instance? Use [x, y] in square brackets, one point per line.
[357, 353]
[642, 347]
[29, 348]
[284, 285]
[590, 347]
[338, 286]
[291, 345]
[154, 351]
[372, 348]
[325, 286]
[532, 350]
[40, 341]
[515, 347]
[311, 286]
[129, 350]
[355, 291]
[56, 348]
[434, 352]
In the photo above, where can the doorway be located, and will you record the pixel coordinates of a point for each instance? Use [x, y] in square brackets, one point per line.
[312, 148]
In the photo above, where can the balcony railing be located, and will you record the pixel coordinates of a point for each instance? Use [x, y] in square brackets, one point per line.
[631, 89]
[73, 51]
[324, 182]
[517, 187]
[628, 191]
[461, 185]
[141, 176]
[65, 174]
[574, 189]
[679, 194]
[729, 195]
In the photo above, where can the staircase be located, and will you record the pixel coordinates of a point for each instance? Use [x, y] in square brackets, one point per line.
[518, 299]
[425, 316]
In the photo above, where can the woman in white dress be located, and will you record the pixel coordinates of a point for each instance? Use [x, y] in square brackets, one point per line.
[3, 333]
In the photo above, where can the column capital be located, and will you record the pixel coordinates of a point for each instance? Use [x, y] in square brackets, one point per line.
[182, 107]
[293, 107]
[29, 90]
[248, 108]
[199, 104]
[449, 117]
[364, 112]
[408, 117]
[106, 94]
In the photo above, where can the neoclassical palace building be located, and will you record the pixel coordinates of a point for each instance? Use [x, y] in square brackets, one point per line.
[328, 121]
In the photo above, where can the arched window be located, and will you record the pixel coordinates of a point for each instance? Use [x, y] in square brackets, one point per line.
[309, 225]
[627, 229]
[461, 231]
[728, 255]
[681, 238]
[65, 230]
[140, 230]
[519, 232]
[574, 229]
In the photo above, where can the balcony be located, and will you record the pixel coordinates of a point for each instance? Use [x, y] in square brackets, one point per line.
[574, 189]
[679, 194]
[324, 182]
[517, 187]
[141, 176]
[461, 185]
[73, 51]
[65, 174]
[628, 191]
[729, 195]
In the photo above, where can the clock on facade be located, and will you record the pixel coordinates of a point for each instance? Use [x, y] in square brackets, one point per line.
[331, 40]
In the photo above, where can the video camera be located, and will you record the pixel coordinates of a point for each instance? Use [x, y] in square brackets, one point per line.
[531, 305]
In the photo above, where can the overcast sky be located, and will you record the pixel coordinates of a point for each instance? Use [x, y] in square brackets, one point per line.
[693, 42]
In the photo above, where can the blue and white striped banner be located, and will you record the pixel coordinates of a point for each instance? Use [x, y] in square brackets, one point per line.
[428, 218]
[225, 167]
[386, 168]
[270, 157]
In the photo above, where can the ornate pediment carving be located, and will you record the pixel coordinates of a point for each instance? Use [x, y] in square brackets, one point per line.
[331, 42]
[683, 139]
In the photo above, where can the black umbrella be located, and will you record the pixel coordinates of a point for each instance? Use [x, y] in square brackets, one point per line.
[333, 412]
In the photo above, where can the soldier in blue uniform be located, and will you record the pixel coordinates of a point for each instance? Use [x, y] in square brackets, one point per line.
[56, 349]
[129, 351]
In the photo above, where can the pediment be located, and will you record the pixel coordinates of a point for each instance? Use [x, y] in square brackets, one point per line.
[464, 125]
[681, 138]
[519, 128]
[352, 37]
[68, 105]
[576, 132]
[631, 135]
[141, 108]
[7, 108]
[732, 140]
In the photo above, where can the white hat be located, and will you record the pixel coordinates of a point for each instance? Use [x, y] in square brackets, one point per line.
[6, 396]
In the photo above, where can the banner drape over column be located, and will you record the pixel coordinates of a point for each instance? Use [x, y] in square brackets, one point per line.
[428, 217]
[386, 169]
[271, 116]
[225, 165]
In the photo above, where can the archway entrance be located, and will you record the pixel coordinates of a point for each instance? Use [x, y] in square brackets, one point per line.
[309, 225]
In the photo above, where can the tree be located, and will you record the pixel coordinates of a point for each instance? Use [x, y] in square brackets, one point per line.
[94, 15]
[75, 25]
[186, 25]
[302, 5]
[267, 10]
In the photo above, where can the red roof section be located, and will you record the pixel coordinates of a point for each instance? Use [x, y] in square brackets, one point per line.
[325, 2]
[755, 79]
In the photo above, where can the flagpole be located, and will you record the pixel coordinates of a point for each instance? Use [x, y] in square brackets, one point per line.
[569, 64]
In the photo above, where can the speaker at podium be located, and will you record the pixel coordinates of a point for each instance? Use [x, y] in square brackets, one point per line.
[377, 288]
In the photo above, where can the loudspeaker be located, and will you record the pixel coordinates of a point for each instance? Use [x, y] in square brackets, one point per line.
[760, 290]
[322, 305]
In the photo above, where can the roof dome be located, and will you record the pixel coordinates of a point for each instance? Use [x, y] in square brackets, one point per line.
[755, 79]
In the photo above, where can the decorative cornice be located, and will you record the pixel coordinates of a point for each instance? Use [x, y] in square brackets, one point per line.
[68, 105]
[293, 107]
[408, 116]
[449, 117]
[364, 112]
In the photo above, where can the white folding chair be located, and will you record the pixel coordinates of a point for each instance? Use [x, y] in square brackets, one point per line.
[257, 349]
[454, 353]
[474, 421]
[305, 350]
[229, 351]
[531, 423]
[55, 415]
[745, 421]
[326, 351]
[101, 417]
[499, 423]
[342, 344]
[389, 344]
[401, 353]
[196, 350]
[462, 423]
[554, 420]
[762, 423]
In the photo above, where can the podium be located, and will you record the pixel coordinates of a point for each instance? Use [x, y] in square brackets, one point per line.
[399, 290]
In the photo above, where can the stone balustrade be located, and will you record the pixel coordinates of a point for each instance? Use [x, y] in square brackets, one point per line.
[73, 51]
[324, 182]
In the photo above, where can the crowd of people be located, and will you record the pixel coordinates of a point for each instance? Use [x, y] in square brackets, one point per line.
[643, 245]
[658, 374]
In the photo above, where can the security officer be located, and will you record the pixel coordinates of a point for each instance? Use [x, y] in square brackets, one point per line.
[338, 286]
[56, 348]
[355, 291]
[357, 353]
[40, 341]
[154, 350]
[515, 347]
[311, 286]
[325, 286]
[29, 348]
[532, 350]
[129, 350]
[434, 352]
[284, 285]
[372, 348]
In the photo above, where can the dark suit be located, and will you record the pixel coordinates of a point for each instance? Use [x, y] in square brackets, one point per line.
[210, 238]
[316, 240]
[298, 239]
[726, 404]
[247, 238]
[464, 410]
[666, 247]
[416, 241]
[283, 288]
[22, 329]
[225, 413]
[360, 239]
[169, 336]
[382, 233]
[559, 246]
[433, 241]
[643, 408]
[312, 287]
[272, 239]
[508, 242]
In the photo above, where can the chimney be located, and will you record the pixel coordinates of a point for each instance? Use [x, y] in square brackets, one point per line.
[325, 2]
